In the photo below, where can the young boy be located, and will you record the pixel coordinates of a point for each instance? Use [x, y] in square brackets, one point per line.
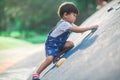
[56, 43]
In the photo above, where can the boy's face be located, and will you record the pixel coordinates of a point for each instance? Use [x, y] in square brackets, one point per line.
[70, 17]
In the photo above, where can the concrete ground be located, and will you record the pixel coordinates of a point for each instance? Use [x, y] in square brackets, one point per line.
[13, 57]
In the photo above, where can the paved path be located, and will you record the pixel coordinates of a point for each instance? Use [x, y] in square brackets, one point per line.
[10, 57]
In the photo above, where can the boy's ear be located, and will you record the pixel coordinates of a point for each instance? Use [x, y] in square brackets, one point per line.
[65, 14]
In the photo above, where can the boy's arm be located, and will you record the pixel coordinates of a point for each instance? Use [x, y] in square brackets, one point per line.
[80, 29]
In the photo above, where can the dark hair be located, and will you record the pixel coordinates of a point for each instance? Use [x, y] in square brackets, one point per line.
[67, 7]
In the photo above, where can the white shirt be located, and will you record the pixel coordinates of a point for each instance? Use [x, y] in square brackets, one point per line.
[61, 27]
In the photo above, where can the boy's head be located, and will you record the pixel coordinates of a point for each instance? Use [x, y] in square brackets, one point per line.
[67, 7]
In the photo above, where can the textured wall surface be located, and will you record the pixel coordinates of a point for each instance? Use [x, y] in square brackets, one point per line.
[96, 56]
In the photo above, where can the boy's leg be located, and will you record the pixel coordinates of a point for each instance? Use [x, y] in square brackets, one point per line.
[68, 45]
[45, 64]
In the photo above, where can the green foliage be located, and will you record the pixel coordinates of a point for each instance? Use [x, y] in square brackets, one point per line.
[24, 19]
[30, 36]
[15, 34]
[37, 39]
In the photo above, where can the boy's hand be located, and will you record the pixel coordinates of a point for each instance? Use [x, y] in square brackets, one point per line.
[94, 26]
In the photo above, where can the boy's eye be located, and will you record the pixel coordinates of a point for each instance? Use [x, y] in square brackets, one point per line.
[75, 15]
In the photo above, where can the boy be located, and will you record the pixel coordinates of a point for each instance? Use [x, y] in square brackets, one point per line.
[56, 43]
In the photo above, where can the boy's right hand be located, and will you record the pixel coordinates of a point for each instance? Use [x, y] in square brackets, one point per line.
[94, 26]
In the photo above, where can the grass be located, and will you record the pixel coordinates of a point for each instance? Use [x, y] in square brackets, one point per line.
[37, 39]
[7, 42]
[29, 36]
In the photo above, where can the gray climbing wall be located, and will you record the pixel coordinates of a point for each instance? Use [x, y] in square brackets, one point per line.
[96, 56]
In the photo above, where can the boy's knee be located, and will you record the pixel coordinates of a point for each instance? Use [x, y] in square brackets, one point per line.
[72, 44]
[69, 44]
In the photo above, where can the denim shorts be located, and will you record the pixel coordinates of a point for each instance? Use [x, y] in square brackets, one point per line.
[53, 49]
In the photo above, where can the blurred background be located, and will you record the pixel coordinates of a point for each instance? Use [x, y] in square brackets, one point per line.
[29, 21]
